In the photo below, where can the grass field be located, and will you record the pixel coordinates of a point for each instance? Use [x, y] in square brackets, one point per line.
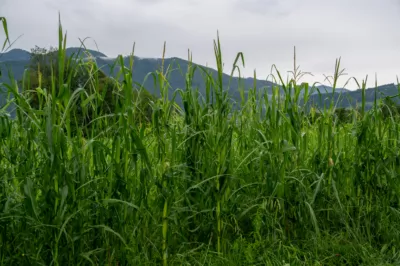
[201, 185]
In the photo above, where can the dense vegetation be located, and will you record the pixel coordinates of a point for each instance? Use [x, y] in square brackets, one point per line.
[18, 60]
[271, 183]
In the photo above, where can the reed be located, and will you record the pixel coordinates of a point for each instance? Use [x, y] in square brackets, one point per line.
[206, 184]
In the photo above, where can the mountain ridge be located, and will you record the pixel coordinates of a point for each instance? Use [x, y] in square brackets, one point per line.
[141, 68]
[17, 60]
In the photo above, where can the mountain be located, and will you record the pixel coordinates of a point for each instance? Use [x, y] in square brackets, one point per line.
[18, 60]
[15, 55]
[75, 50]
[22, 55]
[347, 99]
[176, 78]
[327, 89]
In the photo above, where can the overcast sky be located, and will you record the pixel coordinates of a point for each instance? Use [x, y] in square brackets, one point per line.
[364, 33]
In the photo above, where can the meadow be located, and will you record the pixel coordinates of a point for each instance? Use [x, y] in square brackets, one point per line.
[273, 182]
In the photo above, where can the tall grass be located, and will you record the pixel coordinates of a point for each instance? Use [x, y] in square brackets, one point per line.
[206, 184]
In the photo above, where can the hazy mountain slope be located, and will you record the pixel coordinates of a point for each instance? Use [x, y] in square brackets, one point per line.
[328, 89]
[178, 67]
[17, 60]
[348, 99]
[14, 55]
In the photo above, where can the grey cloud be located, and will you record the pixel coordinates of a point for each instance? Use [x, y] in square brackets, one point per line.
[270, 7]
[151, 2]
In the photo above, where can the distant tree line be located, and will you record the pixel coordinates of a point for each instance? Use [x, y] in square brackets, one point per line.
[43, 79]
[387, 108]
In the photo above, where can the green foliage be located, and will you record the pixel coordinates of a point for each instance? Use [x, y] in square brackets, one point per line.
[207, 184]
[7, 40]
[344, 115]
[5, 29]
[42, 77]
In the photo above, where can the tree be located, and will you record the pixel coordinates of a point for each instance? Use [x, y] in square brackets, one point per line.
[43, 77]
[41, 57]
[78, 73]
